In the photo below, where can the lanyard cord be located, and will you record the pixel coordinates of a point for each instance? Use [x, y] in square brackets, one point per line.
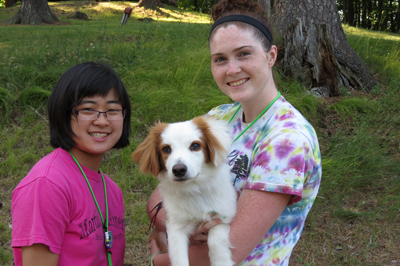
[105, 223]
[269, 105]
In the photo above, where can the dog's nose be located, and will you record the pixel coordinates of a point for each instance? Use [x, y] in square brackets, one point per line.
[179, 170]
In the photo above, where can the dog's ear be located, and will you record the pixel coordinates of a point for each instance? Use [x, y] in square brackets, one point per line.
[216, 137]
[148, 154]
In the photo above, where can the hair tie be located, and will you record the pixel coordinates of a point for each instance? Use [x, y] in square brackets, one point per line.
[245, 19]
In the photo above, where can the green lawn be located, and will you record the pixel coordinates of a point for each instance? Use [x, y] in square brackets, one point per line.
[164, 63]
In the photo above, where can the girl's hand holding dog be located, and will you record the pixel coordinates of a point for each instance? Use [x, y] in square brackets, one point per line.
[200, 235]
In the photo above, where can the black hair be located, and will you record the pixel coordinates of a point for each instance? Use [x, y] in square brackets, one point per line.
[80, 81]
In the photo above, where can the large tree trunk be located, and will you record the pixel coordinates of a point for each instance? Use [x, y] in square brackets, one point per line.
[33, 12]
[315, 47]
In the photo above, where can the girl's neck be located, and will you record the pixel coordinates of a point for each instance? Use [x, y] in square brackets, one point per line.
[91, 161]
[252, 109]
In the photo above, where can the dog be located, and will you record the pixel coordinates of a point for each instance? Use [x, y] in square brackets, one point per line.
[189, 158]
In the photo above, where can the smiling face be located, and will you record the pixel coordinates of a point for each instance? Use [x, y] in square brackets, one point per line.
[94, 138]
[241, 67]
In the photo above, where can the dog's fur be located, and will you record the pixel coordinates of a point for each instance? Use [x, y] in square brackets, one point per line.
[189, 158]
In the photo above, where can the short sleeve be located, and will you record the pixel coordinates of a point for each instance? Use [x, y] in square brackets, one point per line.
[280, 164]
[223, 112]
[40, 214]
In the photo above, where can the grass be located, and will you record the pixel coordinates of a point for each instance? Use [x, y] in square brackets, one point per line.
[165, 66]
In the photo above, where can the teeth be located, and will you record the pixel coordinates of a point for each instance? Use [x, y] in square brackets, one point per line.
[237, 83]
[98, 135]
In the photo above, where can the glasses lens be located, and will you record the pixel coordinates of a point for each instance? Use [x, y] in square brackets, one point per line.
[115, 114]
[87, 114]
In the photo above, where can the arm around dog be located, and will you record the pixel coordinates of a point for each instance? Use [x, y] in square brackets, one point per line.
[256, 213]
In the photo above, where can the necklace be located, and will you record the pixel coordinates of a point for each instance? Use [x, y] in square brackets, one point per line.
[108, 238]
[255, 120]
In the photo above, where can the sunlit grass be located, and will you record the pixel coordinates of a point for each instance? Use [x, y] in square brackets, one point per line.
[165, 67]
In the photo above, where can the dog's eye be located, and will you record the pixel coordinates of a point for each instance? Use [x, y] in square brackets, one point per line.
[166, 149]
[195, 147]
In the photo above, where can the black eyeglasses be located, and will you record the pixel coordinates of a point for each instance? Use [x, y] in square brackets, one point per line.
[90, 114]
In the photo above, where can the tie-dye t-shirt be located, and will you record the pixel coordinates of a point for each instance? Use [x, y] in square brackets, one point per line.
[278, 153]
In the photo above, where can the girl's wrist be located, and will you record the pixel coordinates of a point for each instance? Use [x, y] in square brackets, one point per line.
[153, 256]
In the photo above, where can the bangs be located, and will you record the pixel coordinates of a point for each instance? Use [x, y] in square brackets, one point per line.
[98, 84]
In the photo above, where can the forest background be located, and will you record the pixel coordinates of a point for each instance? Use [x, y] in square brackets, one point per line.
[162, 58]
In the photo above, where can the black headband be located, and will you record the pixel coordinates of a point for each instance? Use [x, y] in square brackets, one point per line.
[245, 19]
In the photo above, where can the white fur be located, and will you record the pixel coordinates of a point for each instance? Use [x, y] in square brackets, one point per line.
[206, 188]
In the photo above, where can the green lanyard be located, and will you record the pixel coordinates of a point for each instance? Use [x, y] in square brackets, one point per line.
[269, 105]
[107, 234]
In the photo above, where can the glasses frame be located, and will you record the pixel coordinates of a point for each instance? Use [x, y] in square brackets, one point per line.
[76, 112]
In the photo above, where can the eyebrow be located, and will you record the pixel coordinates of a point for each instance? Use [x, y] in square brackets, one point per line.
[236, 49]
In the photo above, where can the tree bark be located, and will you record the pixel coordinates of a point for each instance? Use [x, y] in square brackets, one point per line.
[33, 12]
[266, 5]
[315, 47]
[150, 4]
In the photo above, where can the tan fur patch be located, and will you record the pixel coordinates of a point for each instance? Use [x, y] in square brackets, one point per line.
[210, 142]
[148, 153]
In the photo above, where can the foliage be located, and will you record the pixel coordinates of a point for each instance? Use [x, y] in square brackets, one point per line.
[202, 6]
[377, 15]
[165, 67]
[2, 3]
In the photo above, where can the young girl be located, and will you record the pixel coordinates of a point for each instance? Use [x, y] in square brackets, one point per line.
[275, 159]
[66, 211]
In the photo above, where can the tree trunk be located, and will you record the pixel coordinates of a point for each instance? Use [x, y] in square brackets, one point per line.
[266, 5]
[380, 5]
[391, 16]
[150, 4]
[398, 17]
[350, 13]
[345, 16]
[364, 14]
[358, 14]
[369, 7]
[33, 12]
[315, 48]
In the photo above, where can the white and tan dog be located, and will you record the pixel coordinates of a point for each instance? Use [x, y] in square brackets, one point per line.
[189, 158]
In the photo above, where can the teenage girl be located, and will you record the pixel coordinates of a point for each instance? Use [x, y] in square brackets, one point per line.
[275, 158]
[66, 211]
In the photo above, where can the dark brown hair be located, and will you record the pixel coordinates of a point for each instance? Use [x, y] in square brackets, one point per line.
[242, 7]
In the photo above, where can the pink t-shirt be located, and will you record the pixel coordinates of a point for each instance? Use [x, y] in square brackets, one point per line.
[54, 206]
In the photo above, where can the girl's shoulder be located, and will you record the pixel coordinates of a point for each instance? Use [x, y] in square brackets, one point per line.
[224, 111]
[53, 167]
